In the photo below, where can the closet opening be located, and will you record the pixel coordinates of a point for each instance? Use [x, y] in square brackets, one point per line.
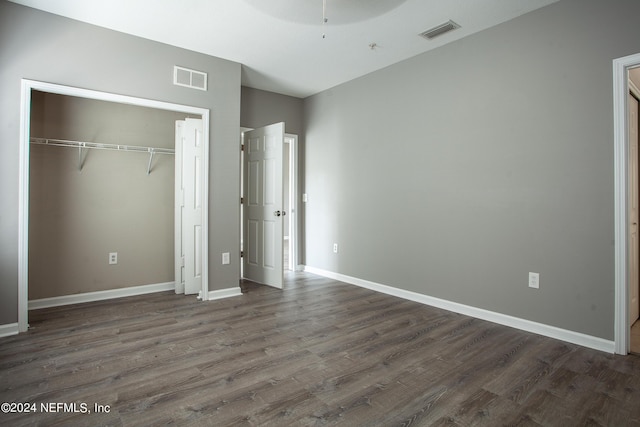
[98, 196]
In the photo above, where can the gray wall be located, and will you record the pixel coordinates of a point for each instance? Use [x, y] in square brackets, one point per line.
[260, 108]
[455, 173]
[41, 46]
[77, 217]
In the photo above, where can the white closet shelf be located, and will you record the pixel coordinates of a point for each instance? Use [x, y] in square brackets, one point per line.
[99, 146]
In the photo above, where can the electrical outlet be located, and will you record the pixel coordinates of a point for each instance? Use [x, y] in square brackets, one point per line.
[113, 258]
[225, 258]
[335, 248]
[534, 280]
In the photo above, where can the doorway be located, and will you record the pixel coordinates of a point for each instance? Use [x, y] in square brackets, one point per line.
[28, 87]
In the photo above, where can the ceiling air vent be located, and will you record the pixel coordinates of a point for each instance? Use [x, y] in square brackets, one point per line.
[189, 78]
[439, 30]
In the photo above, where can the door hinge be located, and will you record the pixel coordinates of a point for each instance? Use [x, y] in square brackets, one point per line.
[241, 254]
[241, 200]
[241, 147]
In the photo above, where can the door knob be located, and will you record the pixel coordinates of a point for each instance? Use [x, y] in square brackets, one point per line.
[277, 213]
[284, 213]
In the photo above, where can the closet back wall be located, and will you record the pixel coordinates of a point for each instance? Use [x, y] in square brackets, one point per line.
[77, 217]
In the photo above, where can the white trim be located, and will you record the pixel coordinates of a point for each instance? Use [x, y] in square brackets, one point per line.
[100, 295]
[293, 198]
[224, 293]
[502, 319]
[621, 328]
[23, 207]
[205, 204]
[8, 330]
[23, 191]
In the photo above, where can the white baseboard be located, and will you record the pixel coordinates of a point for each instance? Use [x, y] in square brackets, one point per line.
[479, 313]
[224, 293]
[100, 295]
[8, 329]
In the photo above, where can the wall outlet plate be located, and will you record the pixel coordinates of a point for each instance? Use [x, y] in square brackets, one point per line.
[113, 258]
[225, 258]
[534, 280]
[335, 248]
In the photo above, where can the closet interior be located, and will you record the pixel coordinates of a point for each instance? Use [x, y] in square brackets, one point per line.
[101, 182]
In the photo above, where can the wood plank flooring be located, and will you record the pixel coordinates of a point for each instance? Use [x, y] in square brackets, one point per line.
[317, 353]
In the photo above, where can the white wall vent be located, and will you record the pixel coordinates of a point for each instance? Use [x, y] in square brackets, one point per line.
[189, 78]
[439, 30]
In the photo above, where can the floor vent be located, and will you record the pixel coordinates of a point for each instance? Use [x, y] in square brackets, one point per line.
[439, 30]
[189, 78]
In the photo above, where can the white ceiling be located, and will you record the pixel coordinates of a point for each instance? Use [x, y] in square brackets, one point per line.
[280, 43]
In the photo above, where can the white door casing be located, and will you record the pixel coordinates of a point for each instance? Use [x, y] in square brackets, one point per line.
[634, 267]
[263, 205]
[292, 212]
[621, 327]
[189, 199]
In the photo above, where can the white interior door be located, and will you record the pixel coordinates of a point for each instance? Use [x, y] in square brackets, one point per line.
[263, 205]
[189, 197]
[634, 267]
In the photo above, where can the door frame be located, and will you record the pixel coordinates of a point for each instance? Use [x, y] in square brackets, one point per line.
[621, 328]
[633, 93]
[27, 86]
[292, 140]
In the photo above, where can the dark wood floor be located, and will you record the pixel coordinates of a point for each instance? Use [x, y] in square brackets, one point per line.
[317, 353]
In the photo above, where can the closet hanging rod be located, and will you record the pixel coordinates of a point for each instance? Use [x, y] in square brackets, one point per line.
[100, 146]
